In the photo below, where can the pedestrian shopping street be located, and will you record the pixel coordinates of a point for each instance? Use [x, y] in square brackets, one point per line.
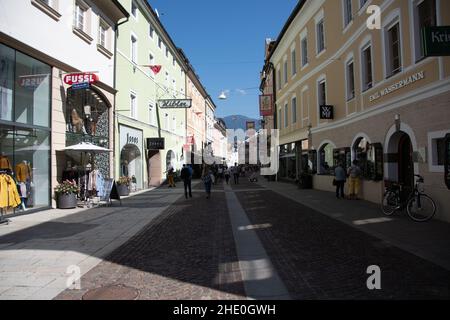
[249, 241]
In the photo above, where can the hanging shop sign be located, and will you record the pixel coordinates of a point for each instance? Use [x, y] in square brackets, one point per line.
[266, 105]
[398, 85]
[436, 41]
[77, 78]
[447, 160]
[250, 125]
[326, 112]
[155, 144]
[80, 86]
[175, 103]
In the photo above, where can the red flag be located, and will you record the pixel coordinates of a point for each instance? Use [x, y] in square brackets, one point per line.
[156, 69]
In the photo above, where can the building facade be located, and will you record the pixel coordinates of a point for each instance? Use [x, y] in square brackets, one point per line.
[345, 92]
[149, 69]
[43, 107]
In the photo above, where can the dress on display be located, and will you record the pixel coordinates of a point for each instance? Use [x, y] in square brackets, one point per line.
[9, 196]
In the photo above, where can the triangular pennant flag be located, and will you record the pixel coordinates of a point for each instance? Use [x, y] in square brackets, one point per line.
[156, 69]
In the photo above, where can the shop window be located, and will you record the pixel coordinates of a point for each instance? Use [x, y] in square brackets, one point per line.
[7, 66]
[312, 161]
[326, 159]
[342, 156]
[370, 159]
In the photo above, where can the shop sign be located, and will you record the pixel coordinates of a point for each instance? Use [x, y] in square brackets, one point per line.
[130, 136]
[398, 85]
[266, 105]
[326, 112]
[80, 86]
[447, 160]
[76, 78]
[155, 144]
[32, 81]
[175, 103]
[436, 41]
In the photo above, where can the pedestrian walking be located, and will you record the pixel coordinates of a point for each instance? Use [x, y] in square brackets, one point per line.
[354, 174]
[236, 172]
[227, 174]
[186, 176]
[339, 180]
[207, 180]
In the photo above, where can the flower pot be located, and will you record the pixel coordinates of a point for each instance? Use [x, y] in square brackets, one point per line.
[123, 190]
[67, 201]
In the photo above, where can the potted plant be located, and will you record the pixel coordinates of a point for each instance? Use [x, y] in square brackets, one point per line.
[66, 195]
[123, 186]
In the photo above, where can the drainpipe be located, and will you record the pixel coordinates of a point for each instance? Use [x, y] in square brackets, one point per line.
[114, 85]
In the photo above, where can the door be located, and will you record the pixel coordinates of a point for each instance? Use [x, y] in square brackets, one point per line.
[405, 164]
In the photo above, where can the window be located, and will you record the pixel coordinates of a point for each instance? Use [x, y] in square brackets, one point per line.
[367, 72]
[285, 72]
[151, 31]
[321, 93]
[49, 7]
[279, 119]
[350, 80]
[294, 62]
[424, 16]
[103, 32]
[320, 36]
[304, 44]
[394, 60]
[174, 123]
[167, 52]
[134, 9]
[134, 49]
[294, 110]
[279, 79]
[160, 42]
[348, 15]
[174, 61]
[286, 119]
[80, 16]
[133, 106]
[151, 59]
[326, 159]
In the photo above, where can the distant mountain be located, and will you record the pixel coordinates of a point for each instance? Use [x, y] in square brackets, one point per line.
[239, 122]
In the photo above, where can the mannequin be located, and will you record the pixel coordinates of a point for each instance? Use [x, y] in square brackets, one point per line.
[23, 176]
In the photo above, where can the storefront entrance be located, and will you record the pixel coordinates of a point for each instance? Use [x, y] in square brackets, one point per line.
[131, 164]
[405, 162]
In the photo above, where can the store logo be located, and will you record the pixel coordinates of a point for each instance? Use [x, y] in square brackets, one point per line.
[374, 20]
[132, 140]
[76, 78]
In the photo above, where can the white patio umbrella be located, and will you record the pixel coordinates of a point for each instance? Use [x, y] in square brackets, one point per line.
[85, 147]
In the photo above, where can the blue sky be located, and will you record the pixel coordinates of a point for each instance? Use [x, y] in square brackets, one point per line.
[224, 40]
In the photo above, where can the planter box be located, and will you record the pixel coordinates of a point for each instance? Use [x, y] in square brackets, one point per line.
[123, 190]
[67, 201]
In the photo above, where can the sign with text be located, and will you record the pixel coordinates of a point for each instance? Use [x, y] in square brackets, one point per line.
[155, 144]
[326, 112]
[175, 103]
[266, 105]
[436, 41]
[130, 136]
[76, 78]
[398, 85]
[32, 81]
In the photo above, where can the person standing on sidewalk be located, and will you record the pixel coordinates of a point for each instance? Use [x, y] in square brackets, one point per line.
[340, 179]
[170, 176]
[186, 176]
[354, 173]
[207, 180]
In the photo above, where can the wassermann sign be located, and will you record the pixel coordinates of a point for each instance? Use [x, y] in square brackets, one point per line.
[175, 103]
[398, 85]
[436, 41]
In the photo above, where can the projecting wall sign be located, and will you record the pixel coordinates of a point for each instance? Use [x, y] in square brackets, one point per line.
[175, 103]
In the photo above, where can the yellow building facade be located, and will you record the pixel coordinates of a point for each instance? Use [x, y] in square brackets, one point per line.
[387, 105]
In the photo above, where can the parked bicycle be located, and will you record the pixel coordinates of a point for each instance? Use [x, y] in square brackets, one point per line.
[419, 206]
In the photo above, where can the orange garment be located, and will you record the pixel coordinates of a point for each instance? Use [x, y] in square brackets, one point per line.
[9, 196]
[4, 163]
[23, 172]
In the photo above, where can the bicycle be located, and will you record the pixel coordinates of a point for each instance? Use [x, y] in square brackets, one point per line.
[419, 206]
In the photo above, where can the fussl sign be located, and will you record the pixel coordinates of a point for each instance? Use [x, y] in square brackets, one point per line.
[76, 78]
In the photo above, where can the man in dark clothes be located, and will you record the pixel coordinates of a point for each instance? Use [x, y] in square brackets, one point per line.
[186, 176]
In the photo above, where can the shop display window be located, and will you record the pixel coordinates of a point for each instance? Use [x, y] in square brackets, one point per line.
[370, 159]
[326, 160]
[343, 156]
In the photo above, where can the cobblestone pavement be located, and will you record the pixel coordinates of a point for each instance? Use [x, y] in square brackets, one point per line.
[187, 252]
[318, 257]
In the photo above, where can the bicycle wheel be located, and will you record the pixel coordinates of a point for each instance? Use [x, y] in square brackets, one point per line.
[421, 207]
[389, 203]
